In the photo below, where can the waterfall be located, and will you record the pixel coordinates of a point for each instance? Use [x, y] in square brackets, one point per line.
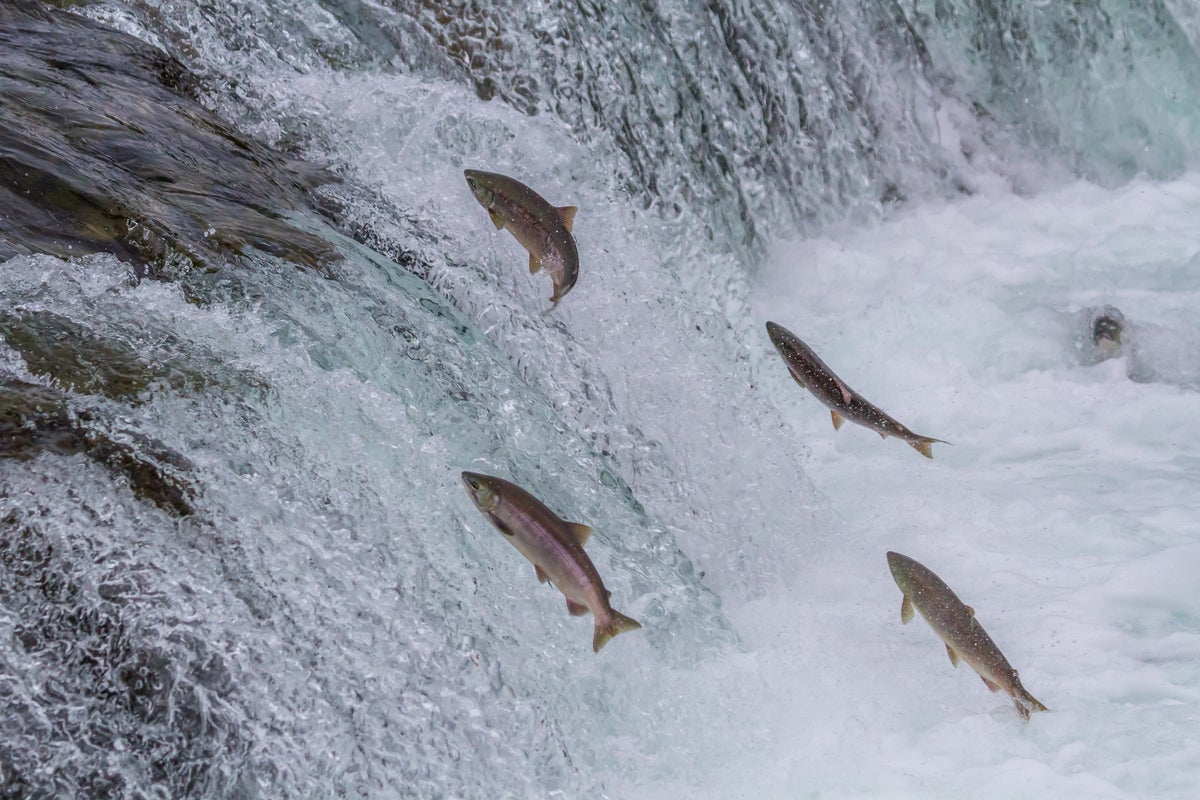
[255, 325]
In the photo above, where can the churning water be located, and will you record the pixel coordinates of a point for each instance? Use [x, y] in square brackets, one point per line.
[254, 326]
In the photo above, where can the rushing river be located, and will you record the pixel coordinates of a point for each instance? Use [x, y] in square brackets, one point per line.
[254, 326]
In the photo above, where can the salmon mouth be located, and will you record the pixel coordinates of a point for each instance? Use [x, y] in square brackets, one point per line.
[481, 492]
[896, 563]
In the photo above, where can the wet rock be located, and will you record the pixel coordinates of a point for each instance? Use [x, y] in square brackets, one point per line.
[104, 148]
[75, 358]
[1100, 333]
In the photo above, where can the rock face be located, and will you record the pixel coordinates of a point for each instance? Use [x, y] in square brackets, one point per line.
[104, 148]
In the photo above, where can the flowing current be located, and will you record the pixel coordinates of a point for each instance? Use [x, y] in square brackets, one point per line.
[255, 325]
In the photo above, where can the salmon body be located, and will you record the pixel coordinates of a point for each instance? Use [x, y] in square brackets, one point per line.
[554, 546]
[808, 370]
[542, 229]
[955, 624]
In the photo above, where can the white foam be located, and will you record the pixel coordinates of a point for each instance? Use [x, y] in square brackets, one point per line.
[1064, 512]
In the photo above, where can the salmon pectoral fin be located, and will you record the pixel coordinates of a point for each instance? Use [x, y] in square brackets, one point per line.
[906, 610]
[567, 215]
[497, 220]
[954, 657]
[616, 623]
[541, 573]
[576, 609]
[535, 264]
[995, 687]
[970, 611]
[838, 419]
[580, 531]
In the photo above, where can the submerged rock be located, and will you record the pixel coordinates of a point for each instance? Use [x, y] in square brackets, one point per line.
[127, 694]
[37, 419]
[81, 361]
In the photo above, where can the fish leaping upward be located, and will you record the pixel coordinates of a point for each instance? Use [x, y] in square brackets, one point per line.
[956, 626]
[542, 229]
[555, 547]
[808, 370]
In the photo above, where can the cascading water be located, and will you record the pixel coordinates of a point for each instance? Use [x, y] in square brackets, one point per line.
[255, 325]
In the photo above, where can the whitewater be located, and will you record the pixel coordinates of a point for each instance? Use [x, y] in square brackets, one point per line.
[324, 613]
[1067, 500]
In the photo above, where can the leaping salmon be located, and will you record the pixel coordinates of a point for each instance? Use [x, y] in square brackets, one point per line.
[955, 624]
[555, 547]
[808, 370]
[542, 229]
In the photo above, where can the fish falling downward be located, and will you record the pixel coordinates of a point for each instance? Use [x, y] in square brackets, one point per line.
[555, 547]
[808, 370]
[542, 229]
[956, 626]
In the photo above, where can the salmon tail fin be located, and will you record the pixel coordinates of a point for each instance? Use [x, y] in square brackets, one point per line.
[615, 623]
[923, 445]
[1033, 702]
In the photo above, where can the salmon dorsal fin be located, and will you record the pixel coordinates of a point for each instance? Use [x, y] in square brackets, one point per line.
[541, 573]
[534, 264]
[567, 215]
[580, 531]
[838, 419]
[906, 610]
[953, 655]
